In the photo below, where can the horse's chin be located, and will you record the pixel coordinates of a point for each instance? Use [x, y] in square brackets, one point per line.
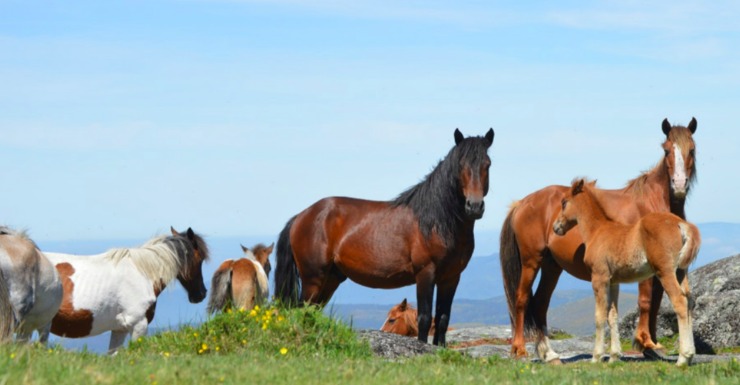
[198, 298]
[474, 215]
[679, 194]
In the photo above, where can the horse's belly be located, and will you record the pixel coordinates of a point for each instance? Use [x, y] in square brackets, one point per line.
[633, 269]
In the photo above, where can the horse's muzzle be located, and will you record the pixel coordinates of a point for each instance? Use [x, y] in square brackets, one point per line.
[197, 297]
[475, 209]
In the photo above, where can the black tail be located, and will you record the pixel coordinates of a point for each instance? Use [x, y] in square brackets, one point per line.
[511, 268]
[286, 273]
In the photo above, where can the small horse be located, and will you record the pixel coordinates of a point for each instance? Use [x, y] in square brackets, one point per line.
[528, 246]
[658, 244]
[118, 290]
[402, 320]
[424, 236]
[242, 283]
[30, 291]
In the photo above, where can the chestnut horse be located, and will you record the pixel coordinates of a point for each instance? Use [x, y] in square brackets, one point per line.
[528, 244]
[30, 288]
[401, 320]
[658, 244]
[241, 283]
[117, 291]
[424, 236]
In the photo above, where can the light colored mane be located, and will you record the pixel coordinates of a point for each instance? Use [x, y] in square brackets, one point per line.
[156, 259]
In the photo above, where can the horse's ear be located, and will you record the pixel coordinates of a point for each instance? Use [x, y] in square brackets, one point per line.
[692, 125]
[458, 136]
[173, 231]
[666, 126]
[269, 248]
[404, 305]
[489, 136]
[244, 248]
[577, 187]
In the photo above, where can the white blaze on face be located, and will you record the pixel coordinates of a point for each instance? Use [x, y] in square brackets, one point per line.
[679, 178]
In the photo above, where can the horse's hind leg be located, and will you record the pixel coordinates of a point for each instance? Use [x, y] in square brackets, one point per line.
[648, 302]
[539, 304]
[523, 294]
[320, 289]
[679, 299]
[116, 340]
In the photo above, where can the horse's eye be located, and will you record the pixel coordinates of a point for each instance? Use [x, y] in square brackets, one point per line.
[691, 152]
[667, 152]
[390, 321]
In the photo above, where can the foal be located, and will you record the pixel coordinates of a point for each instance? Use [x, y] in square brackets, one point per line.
[242, 283]
[658, 244]
[402, 320]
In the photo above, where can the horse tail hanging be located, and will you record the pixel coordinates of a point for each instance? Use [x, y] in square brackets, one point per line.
[691, 242]
[7, 316]
[511, 269]
[220, 289]
[286, 272]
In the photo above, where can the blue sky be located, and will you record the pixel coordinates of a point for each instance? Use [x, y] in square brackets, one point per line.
[119, 119]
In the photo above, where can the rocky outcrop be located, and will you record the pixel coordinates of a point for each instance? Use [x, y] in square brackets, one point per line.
[715, 293]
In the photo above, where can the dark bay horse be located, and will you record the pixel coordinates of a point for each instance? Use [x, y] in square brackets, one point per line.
[659, 244]
[529, 245]
[424, 236]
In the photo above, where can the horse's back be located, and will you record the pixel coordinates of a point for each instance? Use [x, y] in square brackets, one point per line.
[364, 239]
[244, 283]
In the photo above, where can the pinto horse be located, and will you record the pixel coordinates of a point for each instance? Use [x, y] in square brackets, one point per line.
[424, 236]
[528, 244]
[659, 244]
[241, 283]
[30, 288]
[118, 290]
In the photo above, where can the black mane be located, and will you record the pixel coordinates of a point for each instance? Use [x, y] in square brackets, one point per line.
[437, 201]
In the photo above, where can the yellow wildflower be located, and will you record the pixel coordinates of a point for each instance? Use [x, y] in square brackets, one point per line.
[284, 351]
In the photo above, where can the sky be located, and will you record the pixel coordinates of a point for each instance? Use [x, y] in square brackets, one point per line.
[119, 119]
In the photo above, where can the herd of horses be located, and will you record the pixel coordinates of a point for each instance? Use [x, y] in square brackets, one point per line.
[423, 237]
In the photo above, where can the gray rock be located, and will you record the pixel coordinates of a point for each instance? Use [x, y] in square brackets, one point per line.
[389, 345]
[715, 291]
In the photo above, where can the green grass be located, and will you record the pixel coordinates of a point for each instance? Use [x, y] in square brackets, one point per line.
[302, 346]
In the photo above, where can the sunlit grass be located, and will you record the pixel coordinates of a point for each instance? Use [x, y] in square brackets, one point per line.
[280, 346]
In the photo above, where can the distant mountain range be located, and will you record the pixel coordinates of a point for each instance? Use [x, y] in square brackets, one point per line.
[479, 298]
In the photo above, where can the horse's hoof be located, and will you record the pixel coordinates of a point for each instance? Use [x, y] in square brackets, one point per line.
[652, 355]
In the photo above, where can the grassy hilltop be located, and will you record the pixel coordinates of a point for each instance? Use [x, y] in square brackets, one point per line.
[302, 346]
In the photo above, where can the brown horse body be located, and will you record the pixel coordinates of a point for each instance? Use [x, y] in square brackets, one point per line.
[528, 244]
[425, 236]
[659, 244]
[401, 320]
[241, 283]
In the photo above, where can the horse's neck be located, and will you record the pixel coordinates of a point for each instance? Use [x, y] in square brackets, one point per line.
[651, 192]
[591, 215]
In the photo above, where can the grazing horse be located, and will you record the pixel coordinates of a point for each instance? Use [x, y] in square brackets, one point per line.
[424, 236]
[242, 283]
[118, 290]
[30, 291]
[528, 244]
[658, 244]
[402, 320]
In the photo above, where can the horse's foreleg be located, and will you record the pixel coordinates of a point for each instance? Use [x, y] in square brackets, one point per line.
[540, 302]
[44, 333]
[424, 297]
[445, 295]
[613, 318]
[679, 299]
[600, 285]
